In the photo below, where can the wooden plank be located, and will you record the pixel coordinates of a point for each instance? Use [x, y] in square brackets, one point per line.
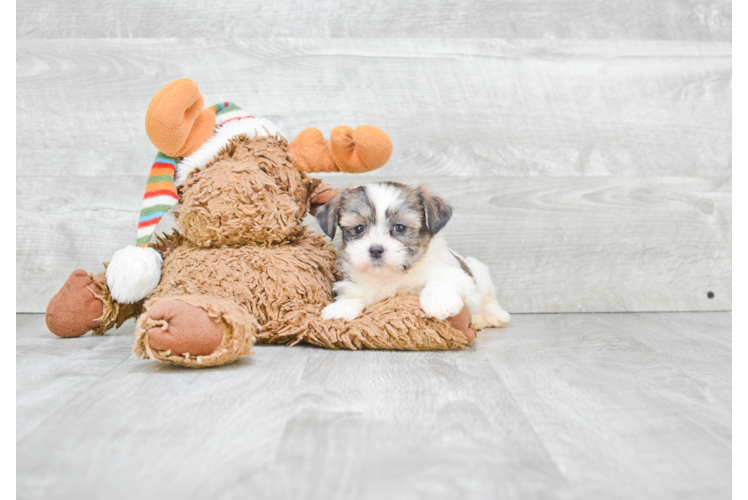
[463, 107]
[381, 422]
[592, 19]
[416, 426]
[738, 102]
[564, 244]
[69, 223]
[740, 335]
[620, 419]
[23, 320]
[739, 243]
[620, 406]
[740, 428]
[739, 174]
[51, 372]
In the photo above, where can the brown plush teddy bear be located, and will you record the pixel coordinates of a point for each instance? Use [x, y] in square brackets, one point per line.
[241, 268]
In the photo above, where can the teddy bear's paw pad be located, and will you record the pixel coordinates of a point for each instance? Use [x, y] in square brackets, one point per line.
[184, 328]
[462, 322]
[76, 308]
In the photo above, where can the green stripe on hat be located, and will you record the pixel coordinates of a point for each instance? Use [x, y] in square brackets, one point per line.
[143, 240]
[160, 178]
[151, 215]
[155, 209]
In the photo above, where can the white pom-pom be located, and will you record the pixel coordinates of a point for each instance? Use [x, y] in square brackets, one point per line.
[133, 273]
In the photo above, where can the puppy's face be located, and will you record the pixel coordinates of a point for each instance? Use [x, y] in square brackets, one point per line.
[386, 227]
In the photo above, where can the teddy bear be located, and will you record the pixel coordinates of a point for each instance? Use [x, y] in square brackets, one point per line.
[241, 267]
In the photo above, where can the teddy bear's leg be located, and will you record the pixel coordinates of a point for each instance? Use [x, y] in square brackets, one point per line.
[83, 304]
[195, 330]
[394, 323]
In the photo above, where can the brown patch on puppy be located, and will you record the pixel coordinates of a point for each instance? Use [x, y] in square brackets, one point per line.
[350, 209]
[437, 213]
[357, 214]
[463, 264]
[327, 215]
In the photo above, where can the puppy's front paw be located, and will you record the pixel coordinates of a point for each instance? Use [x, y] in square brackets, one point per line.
[347, 309]
[440, 303]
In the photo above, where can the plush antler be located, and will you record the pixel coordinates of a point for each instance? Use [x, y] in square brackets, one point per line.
[354, 151]
[176, 122]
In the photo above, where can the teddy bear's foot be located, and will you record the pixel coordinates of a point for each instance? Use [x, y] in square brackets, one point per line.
[76, 308]
[195, 330]
[184, 328]
[84, 303]
[461, 321]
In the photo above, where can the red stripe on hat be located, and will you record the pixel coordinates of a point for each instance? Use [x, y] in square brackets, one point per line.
[147, 223]
[161, 192]
[235, 118]
[159, 164]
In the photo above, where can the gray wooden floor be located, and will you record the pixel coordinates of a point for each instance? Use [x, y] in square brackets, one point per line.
[556, 406]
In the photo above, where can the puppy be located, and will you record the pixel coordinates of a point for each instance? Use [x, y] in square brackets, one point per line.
[390, 243]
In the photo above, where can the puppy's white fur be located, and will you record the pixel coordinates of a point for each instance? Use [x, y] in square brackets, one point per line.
[436, 275]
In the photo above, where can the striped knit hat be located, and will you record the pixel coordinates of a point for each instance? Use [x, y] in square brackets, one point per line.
[161, 192]
[160, 196]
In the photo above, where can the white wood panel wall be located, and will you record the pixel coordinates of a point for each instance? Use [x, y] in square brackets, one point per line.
[739, 168]
[586, 145]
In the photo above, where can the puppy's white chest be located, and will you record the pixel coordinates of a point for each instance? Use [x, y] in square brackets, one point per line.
[409, 282]
[378, 288]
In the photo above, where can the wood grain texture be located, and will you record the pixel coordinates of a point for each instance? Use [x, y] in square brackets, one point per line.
[739, 243]
[740, 335]
[586, 381]
[452, 107]
[738, 102]
[66, 223]
[620, 406]
[571, 244]
[58, 372]
[740, 428]
[580, 19]
[739, 173]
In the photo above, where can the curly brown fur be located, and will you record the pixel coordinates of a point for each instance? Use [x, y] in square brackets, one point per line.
[262, 197]
[167, 243]
[394, 323]
[269, 281]
[115, 313]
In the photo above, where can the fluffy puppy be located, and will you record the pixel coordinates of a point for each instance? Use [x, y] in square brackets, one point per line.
[390, 243]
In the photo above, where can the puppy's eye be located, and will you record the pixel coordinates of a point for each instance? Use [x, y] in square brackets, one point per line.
[359, 229]
[399, 228]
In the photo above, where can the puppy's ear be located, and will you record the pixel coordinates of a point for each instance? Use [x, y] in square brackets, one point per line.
[437, 213]
[327, 215]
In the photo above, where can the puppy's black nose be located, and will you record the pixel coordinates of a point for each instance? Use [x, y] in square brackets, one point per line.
[376, 251]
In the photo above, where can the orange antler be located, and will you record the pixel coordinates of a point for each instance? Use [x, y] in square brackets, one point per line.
[175, 121]
[356, 151]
